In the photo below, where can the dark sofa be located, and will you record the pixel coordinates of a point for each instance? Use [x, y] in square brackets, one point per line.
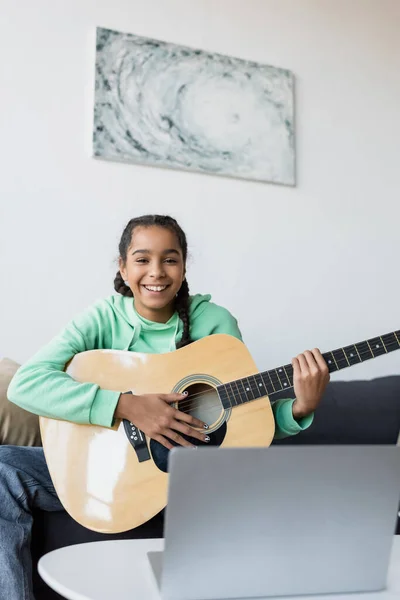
[355, 412]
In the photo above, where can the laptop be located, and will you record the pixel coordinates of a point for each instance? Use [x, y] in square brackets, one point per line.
[289, 520]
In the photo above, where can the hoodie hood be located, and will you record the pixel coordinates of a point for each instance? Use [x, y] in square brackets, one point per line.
[149, 336]
[198, 304]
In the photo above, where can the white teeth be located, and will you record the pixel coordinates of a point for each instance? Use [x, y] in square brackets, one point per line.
[155, 288]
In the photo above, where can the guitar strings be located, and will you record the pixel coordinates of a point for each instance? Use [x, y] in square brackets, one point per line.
[189, 401]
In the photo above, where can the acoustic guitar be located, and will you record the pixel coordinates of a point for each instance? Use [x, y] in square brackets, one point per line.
[114, 479]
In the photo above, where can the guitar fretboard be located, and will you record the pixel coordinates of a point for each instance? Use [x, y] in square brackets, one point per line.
[269, 382]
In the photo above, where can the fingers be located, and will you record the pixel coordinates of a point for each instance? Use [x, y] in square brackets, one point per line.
[189, 431]
[179, 421]
[166, 434]
[316, 363]
[321, 362]
[174, 422]
[310, 362]
[178, 439]
[170, 434]
[310, 377]
[186, 418]
[180, 414]
[171, 398]
[302, 363]
[296, 367]
[163, 441]
[154, 415]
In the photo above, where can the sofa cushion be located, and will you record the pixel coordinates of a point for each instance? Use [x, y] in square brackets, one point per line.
[17, 426]
[354, 412]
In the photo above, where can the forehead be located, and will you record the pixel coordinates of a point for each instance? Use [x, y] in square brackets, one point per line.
[154, 238]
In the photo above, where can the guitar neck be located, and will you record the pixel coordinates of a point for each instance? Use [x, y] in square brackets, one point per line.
[281, 378]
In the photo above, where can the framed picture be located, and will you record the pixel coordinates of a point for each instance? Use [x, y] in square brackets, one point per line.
[161, 104]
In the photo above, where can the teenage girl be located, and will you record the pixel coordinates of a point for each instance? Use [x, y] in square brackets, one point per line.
[152, 312]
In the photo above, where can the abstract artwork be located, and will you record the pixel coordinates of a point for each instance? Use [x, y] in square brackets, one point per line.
[165, 105]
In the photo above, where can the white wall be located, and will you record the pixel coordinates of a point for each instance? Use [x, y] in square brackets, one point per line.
[312, 265]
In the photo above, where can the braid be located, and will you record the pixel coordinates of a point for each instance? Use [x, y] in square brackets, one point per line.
[121, 287]
[182, 308]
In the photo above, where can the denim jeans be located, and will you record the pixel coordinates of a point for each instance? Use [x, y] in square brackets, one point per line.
[24, 484]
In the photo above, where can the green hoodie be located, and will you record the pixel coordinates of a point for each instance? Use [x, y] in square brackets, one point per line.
[42, 387]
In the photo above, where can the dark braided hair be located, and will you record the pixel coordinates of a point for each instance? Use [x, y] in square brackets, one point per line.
[182, 298]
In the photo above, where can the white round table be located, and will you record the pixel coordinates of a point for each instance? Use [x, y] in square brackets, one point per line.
[120, 569]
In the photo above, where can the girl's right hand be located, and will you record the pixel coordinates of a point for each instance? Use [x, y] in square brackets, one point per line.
[153, 414]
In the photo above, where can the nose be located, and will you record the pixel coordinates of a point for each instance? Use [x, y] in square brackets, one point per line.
[157, 270]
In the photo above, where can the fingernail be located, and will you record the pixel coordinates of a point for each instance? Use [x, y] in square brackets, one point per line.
[194, 447]
[184, 393]
[205, 426]
[207, 438]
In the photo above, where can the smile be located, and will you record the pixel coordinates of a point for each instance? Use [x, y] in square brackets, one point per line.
[155, 288]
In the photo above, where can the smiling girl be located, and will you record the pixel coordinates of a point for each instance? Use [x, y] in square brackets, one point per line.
[152, 312]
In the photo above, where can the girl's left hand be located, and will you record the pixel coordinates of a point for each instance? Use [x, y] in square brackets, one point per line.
[310, 378]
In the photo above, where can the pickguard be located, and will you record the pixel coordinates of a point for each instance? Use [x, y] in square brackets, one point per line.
[160, 453]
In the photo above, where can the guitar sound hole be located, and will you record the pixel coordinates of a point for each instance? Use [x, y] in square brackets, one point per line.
[203, 403]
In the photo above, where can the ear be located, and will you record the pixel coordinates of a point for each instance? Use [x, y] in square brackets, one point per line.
[122, 269]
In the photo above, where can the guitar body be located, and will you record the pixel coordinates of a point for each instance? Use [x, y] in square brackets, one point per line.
[96, 471]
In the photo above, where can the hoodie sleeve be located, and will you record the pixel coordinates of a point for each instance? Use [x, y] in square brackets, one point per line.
[42, 387]
[285, 424]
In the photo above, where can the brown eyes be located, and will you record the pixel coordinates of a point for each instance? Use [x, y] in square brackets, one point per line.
[169, 261]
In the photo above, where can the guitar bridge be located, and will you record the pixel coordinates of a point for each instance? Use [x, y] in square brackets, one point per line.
[137, 439]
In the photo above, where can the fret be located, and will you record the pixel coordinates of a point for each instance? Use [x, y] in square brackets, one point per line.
[289, 374]
[395, 333]
[345, 356]
[275, 385]
[352, 355]
[330, 361]
[242, 389]
[249, 388]
[269, 385]
[235, 400]
[246, 389]
[231, 397]
[376, 346]
[364, 350]
[391, 342]
[249, 391]
[370, 349]
[280, 378]
[254, 386]
[358, 354]
[340, 358]
[260, 385]
[275, 380]
[241, 395]
[283, 378]
[223, 396]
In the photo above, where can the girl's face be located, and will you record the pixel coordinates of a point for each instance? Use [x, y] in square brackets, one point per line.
[154, 270]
